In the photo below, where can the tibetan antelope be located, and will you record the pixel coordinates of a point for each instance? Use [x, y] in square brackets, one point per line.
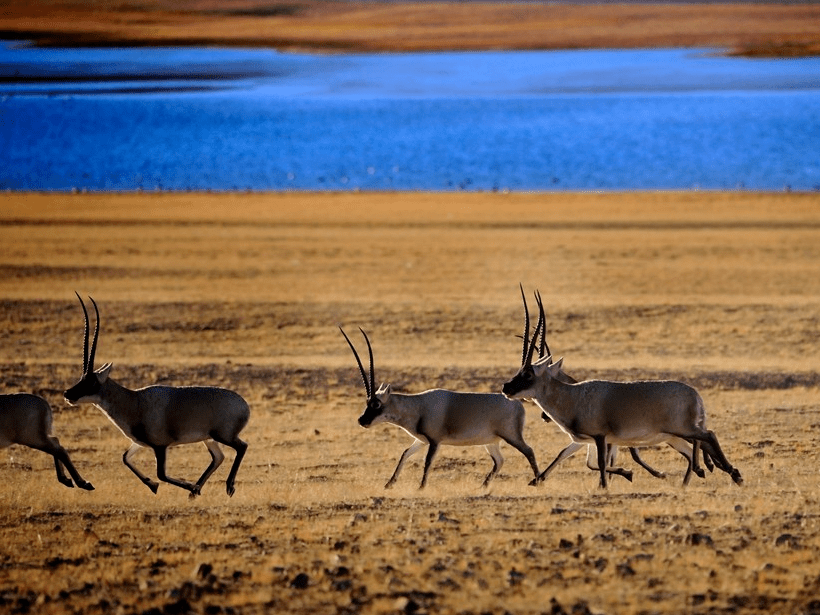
[602, 412]
[26, 419]
[543, 351]
[161, 416]
[438, 416]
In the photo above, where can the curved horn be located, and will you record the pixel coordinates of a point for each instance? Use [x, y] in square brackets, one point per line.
[528, 358]
[93, 350]
[85, 336]
[526, 335]
[359, 361]
[538, 328]
[372, 371]
[543, 349]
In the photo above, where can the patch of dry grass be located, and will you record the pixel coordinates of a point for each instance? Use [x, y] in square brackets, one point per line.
[719, 290]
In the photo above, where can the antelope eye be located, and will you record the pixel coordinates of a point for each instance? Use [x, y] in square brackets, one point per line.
[374, 404]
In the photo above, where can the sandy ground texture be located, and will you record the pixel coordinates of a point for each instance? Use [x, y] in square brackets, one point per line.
[721, 291]
[769, 29]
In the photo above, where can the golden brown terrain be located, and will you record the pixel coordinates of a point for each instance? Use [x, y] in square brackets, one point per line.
[246, 291]
[770, 29]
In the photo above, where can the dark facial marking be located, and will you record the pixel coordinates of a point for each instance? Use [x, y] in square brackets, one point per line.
[522, 380]
[373, 410]
[87, 386]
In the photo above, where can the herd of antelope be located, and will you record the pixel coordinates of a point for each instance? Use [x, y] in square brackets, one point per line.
[597, 413]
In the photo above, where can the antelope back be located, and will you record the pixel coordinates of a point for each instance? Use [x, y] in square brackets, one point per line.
[479, 417]
[672, 406]
[632, 411]
[189, 414]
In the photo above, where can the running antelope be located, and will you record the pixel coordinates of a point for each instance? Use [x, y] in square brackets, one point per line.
[603, 412]
[438, 416]
[161, 416]
[612, 450]
[26, 419]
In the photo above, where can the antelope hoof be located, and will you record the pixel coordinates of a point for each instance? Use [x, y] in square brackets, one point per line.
[152, 486]
[737, 477]
[231, 490]
[86, 485]
[700, 472]
[628, 475]
[195, 491]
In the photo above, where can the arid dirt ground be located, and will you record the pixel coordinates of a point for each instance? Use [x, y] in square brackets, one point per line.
[246, 291]
[769, 29]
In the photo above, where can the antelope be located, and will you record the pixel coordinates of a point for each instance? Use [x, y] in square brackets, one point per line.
[158, 417]
[439, 416]
[603, 412]
[26, 419]
[543, 350]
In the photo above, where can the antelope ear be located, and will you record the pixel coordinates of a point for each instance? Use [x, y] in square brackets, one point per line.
[384, 389]
[556, 366]
[102, 373]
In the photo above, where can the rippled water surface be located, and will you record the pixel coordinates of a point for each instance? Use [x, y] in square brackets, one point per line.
[125, 119]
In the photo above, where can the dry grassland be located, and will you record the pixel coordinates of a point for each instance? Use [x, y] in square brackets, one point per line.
[770, 29]
[245, 291]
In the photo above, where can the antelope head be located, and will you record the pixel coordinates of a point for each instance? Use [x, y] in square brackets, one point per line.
[377, 400]
[521, 384]
[88, 387]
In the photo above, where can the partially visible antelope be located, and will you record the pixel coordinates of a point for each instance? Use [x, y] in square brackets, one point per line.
[26, 419]
[438, 416]
[602, 412]
[543, 351]
[158, 417]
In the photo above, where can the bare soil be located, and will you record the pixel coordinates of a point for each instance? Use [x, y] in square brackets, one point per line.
[753, 29]
[720, 290]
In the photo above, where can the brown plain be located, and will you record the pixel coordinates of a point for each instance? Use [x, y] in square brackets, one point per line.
[769, 29]
[720, 290]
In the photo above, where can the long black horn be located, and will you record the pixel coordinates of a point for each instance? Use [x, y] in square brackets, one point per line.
[93, 351]
[526, 335]
[85, 336]
[359, 361]
[543, 350]
[372, 369]
[538, 328]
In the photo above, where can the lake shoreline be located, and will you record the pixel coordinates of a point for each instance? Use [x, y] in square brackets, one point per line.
[756, 30]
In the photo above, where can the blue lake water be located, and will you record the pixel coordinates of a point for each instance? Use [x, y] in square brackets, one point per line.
[221, 119]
